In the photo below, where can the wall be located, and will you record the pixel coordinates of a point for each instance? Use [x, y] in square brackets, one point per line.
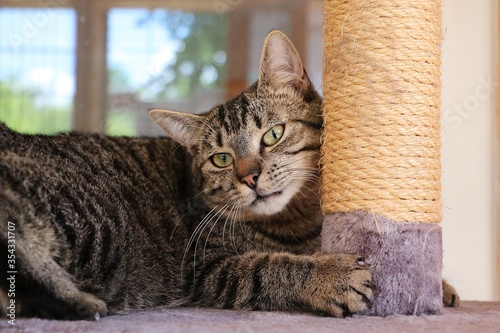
[469, 150]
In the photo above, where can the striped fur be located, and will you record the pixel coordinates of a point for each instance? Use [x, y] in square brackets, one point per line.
[109, 225]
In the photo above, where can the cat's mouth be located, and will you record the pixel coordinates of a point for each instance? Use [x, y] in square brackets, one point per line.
[266, 198]
[270, 203]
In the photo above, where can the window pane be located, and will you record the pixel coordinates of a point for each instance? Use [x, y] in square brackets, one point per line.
[37, 62]
[162, 58]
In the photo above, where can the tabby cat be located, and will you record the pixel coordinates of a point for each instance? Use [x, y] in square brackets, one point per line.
[225, 216]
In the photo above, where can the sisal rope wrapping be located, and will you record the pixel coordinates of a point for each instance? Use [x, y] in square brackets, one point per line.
[381, 82]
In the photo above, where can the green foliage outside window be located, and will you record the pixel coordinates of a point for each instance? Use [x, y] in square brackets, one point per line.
[19, 110]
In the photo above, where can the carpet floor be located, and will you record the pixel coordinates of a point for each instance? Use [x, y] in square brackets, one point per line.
[469, 317]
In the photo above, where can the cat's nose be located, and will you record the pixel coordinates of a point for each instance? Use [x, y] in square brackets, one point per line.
[251, 179]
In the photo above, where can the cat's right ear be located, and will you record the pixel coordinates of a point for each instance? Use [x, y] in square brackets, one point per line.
[182, 127]
[280, 64]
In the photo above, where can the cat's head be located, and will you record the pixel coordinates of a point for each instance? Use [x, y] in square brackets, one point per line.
[259, 151]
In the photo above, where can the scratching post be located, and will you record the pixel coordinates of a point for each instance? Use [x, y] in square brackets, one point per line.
[381, 146]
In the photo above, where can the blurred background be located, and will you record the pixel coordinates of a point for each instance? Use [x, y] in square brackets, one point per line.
[99, 65]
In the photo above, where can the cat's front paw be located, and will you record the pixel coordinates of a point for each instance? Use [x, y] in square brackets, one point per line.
[341, 285]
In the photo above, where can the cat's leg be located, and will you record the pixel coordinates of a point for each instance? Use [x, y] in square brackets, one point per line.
[338, 284]
[42, 287]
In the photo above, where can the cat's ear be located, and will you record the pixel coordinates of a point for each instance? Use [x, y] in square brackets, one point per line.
[182, 127]
[280, 64]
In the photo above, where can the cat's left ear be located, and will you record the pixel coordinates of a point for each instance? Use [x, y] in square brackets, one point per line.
[280, 64]
[182, 127]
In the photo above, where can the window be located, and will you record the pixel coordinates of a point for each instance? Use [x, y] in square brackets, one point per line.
[99, 65]
[37, 65]
[162, 58]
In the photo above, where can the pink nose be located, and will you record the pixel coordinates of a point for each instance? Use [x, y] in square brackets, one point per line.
[250, 180]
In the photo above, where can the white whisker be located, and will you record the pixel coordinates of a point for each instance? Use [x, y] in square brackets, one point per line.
[224, 227]
[197, 230]
[220, 213]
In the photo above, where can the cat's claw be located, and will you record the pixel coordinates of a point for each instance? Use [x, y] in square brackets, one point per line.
[90, 307]
[362, 263]
[369, 284]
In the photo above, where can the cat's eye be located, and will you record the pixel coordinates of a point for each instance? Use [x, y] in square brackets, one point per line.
[222, 160]
[273, 135]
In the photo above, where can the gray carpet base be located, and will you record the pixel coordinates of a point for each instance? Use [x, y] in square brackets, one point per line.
[471, 316]
[406, 258]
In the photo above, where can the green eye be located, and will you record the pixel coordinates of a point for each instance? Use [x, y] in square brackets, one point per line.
[273, 135]
[222, 160]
